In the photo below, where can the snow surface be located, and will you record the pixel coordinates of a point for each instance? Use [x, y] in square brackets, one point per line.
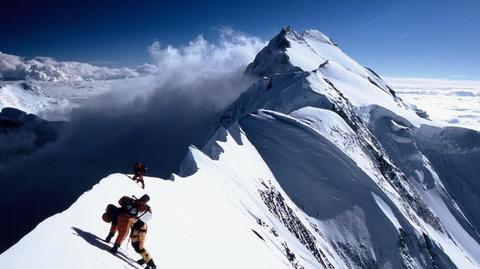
[29, 101]
[211, 219]
[54, 100]
[208, 220]
[325, 63]
[293, 166]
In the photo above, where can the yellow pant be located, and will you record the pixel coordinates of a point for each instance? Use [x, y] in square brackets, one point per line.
[138, 241]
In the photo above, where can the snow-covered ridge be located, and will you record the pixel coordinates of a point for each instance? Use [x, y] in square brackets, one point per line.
[327, 71]
[307, 51]
[240, 210]
[366, 103]
[194, 218]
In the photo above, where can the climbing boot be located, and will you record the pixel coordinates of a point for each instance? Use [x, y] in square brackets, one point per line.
[109, 237]
[151, 265]
[114, 249]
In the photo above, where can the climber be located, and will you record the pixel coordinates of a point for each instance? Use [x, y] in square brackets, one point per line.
[112, 213]
[133, 211]
[139, 169]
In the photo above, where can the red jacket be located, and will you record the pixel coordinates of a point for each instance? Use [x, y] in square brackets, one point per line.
[139, 168]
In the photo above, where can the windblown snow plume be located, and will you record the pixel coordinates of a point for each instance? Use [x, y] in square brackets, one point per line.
[201, 58]
[186, 66]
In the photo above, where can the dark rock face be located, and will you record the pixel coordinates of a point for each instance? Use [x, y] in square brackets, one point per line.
[273, 59]
[275, 202]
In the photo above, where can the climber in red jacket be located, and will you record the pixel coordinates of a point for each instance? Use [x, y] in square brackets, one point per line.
[139, 169]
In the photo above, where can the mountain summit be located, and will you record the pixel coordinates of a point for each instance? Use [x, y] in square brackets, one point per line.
[317, 165]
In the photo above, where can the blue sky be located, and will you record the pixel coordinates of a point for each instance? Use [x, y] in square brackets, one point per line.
[422, 38]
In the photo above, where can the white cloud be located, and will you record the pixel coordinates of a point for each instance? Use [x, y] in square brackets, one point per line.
[8, 66]
[432, 83]
[454, 102]
[13, 67]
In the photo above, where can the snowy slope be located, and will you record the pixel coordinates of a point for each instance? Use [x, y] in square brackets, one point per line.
[50, 100]
[213, 219]
[345, 202]
[318, 165]
[50, 88]
[321, 61]
[387, 130]
[30, 101]
[338, 218]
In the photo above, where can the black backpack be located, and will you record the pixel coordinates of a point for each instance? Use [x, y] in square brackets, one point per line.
[111, 214]
[128, 205]
[126, 202]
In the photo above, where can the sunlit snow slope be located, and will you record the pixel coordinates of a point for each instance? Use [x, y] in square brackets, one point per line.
[318, 165]
[213, 219]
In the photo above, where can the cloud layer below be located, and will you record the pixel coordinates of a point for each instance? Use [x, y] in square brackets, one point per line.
[454, 102]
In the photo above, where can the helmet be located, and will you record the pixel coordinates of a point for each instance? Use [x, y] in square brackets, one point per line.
[145, 198]
[106, 217]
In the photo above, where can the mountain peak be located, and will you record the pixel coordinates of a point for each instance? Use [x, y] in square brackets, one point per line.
[286, 29]
[273, 58]
[291, 51]
[311, 34]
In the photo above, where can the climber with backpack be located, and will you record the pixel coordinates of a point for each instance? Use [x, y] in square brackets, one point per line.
[139, 170]
[112, 213]
[132, 215]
